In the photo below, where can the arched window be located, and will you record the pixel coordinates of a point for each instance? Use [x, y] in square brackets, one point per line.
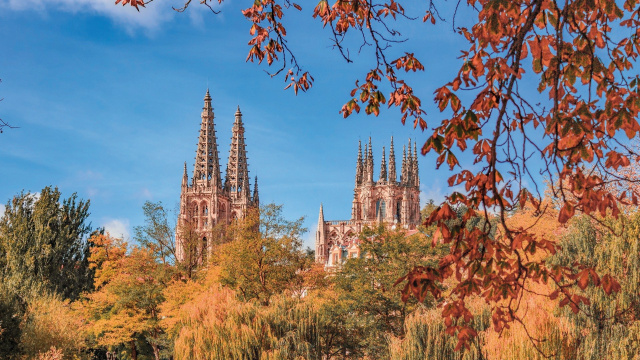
[205, 210]
[381, 210]
[398, 211]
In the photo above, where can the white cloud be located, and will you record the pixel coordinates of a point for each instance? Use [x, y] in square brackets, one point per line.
[149, 18]
[2, 208]
[117, 227]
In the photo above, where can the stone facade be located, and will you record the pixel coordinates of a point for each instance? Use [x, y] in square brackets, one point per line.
[205, 201]
[393, 202]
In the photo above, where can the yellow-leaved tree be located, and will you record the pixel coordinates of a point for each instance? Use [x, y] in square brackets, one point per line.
[125, 307]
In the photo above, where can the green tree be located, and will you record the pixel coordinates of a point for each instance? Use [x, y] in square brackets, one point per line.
[608, 327]
[11, 308]
[263, 254]
[42, 244]
[156, 234]
[366, 286]
[425, 337]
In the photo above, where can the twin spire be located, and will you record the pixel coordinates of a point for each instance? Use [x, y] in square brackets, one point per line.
[408, 172]
[206, 170]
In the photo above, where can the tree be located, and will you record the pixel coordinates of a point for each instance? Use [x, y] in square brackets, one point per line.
[43, 253]
[263, 254]
[50, 322]
[42, 244]
[156, 234]
[129, 287]
[191, 243]
[366, 286]
[216, 324]
[11, 309]
[581, 54]
[607, 326]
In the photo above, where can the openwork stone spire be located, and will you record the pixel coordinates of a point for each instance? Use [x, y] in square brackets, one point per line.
[256, 197]
[207, 167]
[403, 169]
[370, 162]
[416, 176]
[185, 177]
[237, 179]
[383, 167]
[392, 163]
[359, 165]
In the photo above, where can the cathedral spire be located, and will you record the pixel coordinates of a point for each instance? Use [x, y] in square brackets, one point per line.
[383, 167]
[370, 163]
[392, 163]
[321, 218]
[185, 177]
[207, 167]
[256, 198]
[359, 165]
[416, 177]
[237, 181]
[403, 169]
[409, 179]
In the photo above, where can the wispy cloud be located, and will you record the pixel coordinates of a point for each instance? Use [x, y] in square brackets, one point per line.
[117, 227]
[145, 194]
[149, 19]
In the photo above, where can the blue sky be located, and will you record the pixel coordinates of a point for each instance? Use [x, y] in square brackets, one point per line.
[108, 102]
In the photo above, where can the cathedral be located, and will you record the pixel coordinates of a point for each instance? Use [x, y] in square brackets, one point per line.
[387, 200]
[205, 201]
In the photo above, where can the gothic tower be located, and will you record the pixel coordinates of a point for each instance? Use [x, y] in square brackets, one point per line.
[393, 202]
[205, 202]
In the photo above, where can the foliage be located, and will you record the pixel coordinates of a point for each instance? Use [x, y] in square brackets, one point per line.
[156, 234]
[263, 255]
[52, 354]
[42, 246]
[217, 325]
[51, 323]
[129, 290]
[191, 249]
[426, 338]
[11, 308]
[366, 286]
[608, 326]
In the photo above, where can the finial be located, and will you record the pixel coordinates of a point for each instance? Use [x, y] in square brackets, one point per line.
[207, 97]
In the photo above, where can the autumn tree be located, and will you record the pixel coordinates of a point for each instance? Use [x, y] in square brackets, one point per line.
[125, 306]
[263, 255]
[51, 322]
[218, 325]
